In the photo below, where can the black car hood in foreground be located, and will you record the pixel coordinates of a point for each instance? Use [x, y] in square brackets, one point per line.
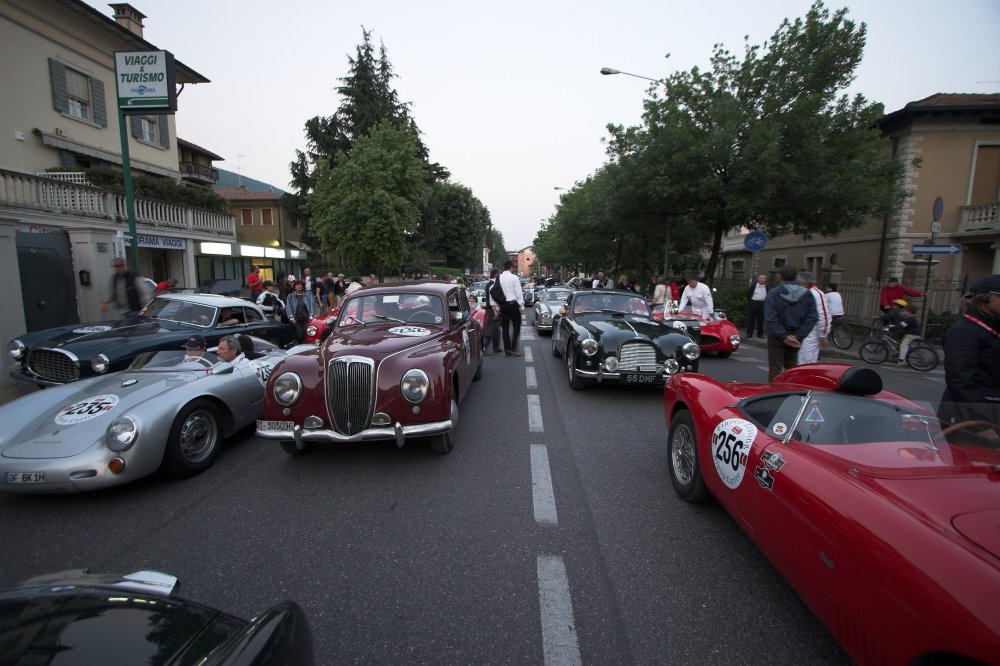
[75, 617]
[611, 331]
[99, 335]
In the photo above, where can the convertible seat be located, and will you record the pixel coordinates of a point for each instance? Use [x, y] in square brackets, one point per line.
[860, 381]
[246, 346]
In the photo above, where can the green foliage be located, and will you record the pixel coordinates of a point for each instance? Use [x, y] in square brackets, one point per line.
[498, 252]
[734, 301]
[162, 189]
[369, 204]
[455, 224]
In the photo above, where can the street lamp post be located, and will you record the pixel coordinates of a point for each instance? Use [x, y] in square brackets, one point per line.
[607, 71]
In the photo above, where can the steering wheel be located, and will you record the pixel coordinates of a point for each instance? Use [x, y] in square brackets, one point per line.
[422, 317]
[198, 359]
[964, 425]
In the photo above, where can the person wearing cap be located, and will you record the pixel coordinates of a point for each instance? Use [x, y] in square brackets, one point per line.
[972, 358]
[194, 347]
[809, 351]
[894, 313]
[894, 290]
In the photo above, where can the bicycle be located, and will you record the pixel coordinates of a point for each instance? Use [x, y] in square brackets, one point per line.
[841, 334]
[920, 355]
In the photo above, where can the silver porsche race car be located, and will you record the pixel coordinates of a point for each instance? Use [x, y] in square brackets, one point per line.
[168, 409]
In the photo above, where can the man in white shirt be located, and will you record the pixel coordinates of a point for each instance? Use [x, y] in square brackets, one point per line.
[511, 310]
[809, 351]
[601, 282]
[834, 303]
[697, 298]
[756, 296]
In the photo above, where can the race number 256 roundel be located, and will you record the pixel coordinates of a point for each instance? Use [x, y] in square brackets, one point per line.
[731, 442]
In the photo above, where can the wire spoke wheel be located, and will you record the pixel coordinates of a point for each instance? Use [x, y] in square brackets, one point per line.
[921, 357]
[842, 336]
[874, 352]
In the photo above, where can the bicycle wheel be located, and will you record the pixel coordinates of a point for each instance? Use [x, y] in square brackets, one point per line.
[921, 357]
[874, 352]
[842, 336]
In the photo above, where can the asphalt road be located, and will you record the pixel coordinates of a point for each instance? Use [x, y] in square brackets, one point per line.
[550, 535]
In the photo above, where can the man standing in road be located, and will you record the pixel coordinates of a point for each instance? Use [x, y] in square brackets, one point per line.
[511, 310]
[697, 298]
[491, 331]
[789, 314]
[755, 312]
[125, 299]
[809, 352]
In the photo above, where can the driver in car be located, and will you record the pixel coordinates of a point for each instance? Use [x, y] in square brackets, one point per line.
[194, 348]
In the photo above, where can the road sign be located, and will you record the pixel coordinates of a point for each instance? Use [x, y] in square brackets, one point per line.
[755, 241]
[938, 248]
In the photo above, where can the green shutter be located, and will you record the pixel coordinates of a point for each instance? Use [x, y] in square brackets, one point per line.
[97, 99]
[57, 78]
[163, 129]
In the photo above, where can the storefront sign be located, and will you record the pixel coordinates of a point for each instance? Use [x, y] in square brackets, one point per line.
[158, 242]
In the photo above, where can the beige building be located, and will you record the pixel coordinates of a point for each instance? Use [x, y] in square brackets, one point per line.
[950, 146]
[265, 231]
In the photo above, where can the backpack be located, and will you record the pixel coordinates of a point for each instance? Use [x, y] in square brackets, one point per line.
[496, 293]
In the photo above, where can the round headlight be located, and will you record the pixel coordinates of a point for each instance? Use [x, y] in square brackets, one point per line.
[589, 346]
[546, 315]
[414, 385]
[310, 330]
[287, 389]
[100, 364]
[671, 366]
[16, 349]
[122, 433]
[679, 325]
[734, 340]
[690, 351]
[611, 364]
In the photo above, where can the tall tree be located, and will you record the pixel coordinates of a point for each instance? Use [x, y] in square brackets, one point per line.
[369, 205]
[456, 225]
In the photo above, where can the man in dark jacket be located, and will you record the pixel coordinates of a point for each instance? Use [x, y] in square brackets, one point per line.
[124, 300]
[789, 314]
[972, 358]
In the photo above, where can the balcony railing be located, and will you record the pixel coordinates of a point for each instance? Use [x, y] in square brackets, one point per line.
[200, 171]
[980, 217]
[47, 194]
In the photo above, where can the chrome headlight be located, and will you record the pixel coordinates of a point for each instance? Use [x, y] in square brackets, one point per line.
[414, 385]
[690, 351]
[16, 349]
[287, 389]
[100, 364]
[589, 346]
[671, 366]
[122, 433]
[611, 364]
[734, 340]
[311, 330]
[546, 315]
[679, 325]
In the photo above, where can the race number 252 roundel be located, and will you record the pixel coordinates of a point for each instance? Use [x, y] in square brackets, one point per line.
[731, 442]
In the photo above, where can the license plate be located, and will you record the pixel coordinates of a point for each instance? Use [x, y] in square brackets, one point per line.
[633, 378]
[276, 426]
[25, 477]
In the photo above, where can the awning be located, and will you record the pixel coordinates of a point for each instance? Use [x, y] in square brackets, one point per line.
[299, 246]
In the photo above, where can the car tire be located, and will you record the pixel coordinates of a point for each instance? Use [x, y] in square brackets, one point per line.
[288, 446]
[575, 382]
[193, 441]
[873, 352]
[682, 458]
[725, 354]
[445, 442]
[479, 368]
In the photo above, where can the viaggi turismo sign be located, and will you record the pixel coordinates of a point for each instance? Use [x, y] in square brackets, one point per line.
[145, 81]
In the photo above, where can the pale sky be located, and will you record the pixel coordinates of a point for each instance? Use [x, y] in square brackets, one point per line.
[509, 95]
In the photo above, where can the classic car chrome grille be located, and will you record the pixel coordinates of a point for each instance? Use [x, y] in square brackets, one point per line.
[54, 365]
[349, 393]
[641, 355]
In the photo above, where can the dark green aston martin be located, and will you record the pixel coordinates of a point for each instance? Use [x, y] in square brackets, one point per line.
[611, 337]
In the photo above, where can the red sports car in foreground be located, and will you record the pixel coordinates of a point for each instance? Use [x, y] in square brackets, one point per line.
[885, 520]
[718, 334]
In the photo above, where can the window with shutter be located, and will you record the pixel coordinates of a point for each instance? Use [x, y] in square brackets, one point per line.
[265, 217]
[78, 94]
[247, 214]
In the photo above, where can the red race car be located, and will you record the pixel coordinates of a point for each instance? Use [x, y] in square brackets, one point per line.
[320, 326]
[883, 518]
[718, 334]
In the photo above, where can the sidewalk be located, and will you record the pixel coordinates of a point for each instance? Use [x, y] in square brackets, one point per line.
[830, 352]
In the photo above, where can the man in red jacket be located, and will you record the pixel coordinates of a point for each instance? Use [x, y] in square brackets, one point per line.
[892, 291]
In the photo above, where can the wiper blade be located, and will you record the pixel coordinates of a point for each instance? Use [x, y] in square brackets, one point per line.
[378, 316]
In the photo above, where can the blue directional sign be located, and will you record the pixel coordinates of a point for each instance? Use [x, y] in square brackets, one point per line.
[755, 241]
[938, 248]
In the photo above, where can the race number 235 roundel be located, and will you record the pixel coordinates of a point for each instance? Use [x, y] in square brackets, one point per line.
[731, 442]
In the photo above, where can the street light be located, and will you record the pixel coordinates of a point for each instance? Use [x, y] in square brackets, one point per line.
[607, 71]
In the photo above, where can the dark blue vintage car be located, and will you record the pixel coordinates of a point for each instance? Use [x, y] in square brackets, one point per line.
[68, 353]
[611, 337]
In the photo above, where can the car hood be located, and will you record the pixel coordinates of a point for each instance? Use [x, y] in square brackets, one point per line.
[103, 333]
[621, 328]
[64, 422]
[377, 341]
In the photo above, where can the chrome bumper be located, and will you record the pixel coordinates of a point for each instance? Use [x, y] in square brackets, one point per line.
[398, 432]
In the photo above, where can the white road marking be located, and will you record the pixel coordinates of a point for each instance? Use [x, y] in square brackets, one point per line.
[535, 414]
[528, 358]
[559, 643]
[529, 377]
[542, 496]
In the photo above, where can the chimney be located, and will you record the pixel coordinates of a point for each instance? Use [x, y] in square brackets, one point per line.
[129, 18]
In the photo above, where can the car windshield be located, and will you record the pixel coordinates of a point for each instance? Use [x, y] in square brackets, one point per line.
[829, 417]
[392, 307]
[555, 296]
[180, 311]
[611, 303]
[173, 360]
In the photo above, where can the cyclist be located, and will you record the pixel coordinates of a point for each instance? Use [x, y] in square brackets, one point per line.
[894, 314]
[907, 330]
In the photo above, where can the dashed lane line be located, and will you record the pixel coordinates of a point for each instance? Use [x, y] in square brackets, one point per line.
[529, 377]
[535, 414]
[559, 642]
[542, 495]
